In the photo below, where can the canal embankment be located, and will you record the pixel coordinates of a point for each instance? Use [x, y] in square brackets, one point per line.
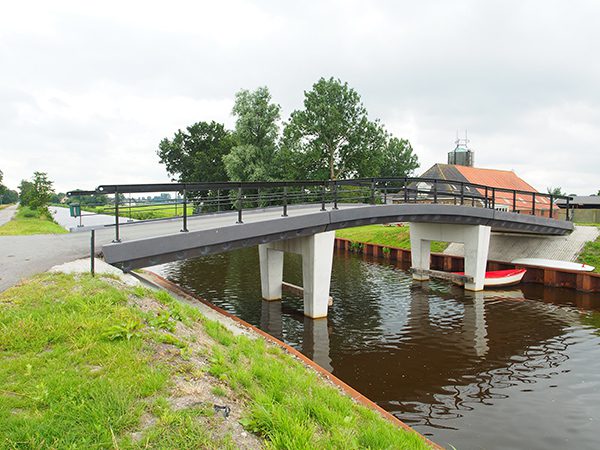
[580, 281]
[106, 361]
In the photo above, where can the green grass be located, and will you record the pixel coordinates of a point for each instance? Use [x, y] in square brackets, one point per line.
[143, 212]
[82, 365]
[391, 236]
[30, 221]
[591, 254]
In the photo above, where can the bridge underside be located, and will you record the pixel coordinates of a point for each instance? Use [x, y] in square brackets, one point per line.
[155, 250]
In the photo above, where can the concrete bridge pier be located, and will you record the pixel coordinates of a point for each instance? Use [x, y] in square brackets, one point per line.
[317, 259]
[476, 240]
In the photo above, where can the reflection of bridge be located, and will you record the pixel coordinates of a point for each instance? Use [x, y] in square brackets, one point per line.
[279, 218]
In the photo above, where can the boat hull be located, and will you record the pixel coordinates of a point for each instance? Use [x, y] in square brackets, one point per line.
[500, 278]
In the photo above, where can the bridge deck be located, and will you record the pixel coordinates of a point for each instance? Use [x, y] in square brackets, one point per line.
[156, 242]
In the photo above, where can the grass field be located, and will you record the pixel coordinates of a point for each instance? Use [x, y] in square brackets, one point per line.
[392, 236]
[143, 212]
[29, 221]
[92, 363]
[591, 253]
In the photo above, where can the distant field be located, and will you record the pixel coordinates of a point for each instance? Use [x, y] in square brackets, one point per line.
[392, 236]
[30, 221]
[142, 212]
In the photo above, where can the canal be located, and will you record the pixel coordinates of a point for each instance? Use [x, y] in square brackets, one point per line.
[518, 368]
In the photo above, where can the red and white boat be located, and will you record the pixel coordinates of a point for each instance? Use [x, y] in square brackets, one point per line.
[501, 278]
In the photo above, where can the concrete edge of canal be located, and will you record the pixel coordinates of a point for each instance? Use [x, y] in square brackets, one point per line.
[238, 326]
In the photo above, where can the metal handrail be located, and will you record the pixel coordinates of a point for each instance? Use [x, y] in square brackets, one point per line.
[233, 195]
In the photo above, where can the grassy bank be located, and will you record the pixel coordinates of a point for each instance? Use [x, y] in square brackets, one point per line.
[30, 221]
[6, 206]
[91, 363]
[591, 253]
[392, 236]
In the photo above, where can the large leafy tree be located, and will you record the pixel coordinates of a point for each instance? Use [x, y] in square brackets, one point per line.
[334, 134]
[196, 154]
[256, 131]
[397, 159]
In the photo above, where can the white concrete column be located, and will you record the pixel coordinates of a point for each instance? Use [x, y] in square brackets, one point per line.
[317, 259]
[477, 245]
[315, 342]
[476, 239]
[271, 272]
[420, 251]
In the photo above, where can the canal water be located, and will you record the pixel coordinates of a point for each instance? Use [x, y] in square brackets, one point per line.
[512, 369]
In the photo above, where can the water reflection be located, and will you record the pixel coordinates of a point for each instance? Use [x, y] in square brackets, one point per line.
[472, 369]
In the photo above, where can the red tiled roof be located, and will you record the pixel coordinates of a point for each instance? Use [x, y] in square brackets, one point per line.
[505, 179]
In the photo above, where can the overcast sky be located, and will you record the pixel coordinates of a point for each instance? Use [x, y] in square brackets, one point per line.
[87, 92]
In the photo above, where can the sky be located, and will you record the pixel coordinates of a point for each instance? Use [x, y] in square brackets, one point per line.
[88, 89]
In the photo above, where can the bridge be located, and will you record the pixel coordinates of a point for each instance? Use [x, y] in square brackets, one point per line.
[302, 216]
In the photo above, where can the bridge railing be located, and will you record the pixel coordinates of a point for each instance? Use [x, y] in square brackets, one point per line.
[193, 199]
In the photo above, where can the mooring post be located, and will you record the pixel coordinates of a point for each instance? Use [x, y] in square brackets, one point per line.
[185, 228]
[92, 251]
[117, 237]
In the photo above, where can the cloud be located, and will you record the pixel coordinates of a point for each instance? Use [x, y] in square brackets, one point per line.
[87, 91]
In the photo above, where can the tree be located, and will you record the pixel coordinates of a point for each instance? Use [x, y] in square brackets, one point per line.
[41, 191]
[398, 159]
[256, 131]
[333, 133]
[555, 191]
[25, 192]
[197, 153]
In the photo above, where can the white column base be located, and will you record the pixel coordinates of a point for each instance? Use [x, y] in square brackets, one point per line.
[317, 260]
[476, 239]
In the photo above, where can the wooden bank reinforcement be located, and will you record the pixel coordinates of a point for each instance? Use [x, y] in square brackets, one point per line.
[588, 282]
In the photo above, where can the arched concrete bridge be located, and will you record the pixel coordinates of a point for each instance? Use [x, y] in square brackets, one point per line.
[447, 214]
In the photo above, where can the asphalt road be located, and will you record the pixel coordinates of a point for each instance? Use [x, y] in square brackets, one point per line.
[7, 213]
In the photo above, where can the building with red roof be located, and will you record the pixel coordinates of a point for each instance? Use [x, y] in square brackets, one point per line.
[505, 189]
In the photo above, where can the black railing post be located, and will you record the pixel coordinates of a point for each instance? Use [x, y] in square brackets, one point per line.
[117, 237]
[462, 193]
[323, 197]
[239, 205]
[405, 190]
[92, 252]
[435, 190]
[372, 192]
[218, 200]
[493, 198]
[185, 228]
[335, 195]
[533, 203]
[514, 201]
[486, 197]
[284, 202]
[385, 193]
[568, 208]
[551, 205]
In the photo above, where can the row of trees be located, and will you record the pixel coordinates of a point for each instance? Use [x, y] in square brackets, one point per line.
[7, 195]
[330, 138]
